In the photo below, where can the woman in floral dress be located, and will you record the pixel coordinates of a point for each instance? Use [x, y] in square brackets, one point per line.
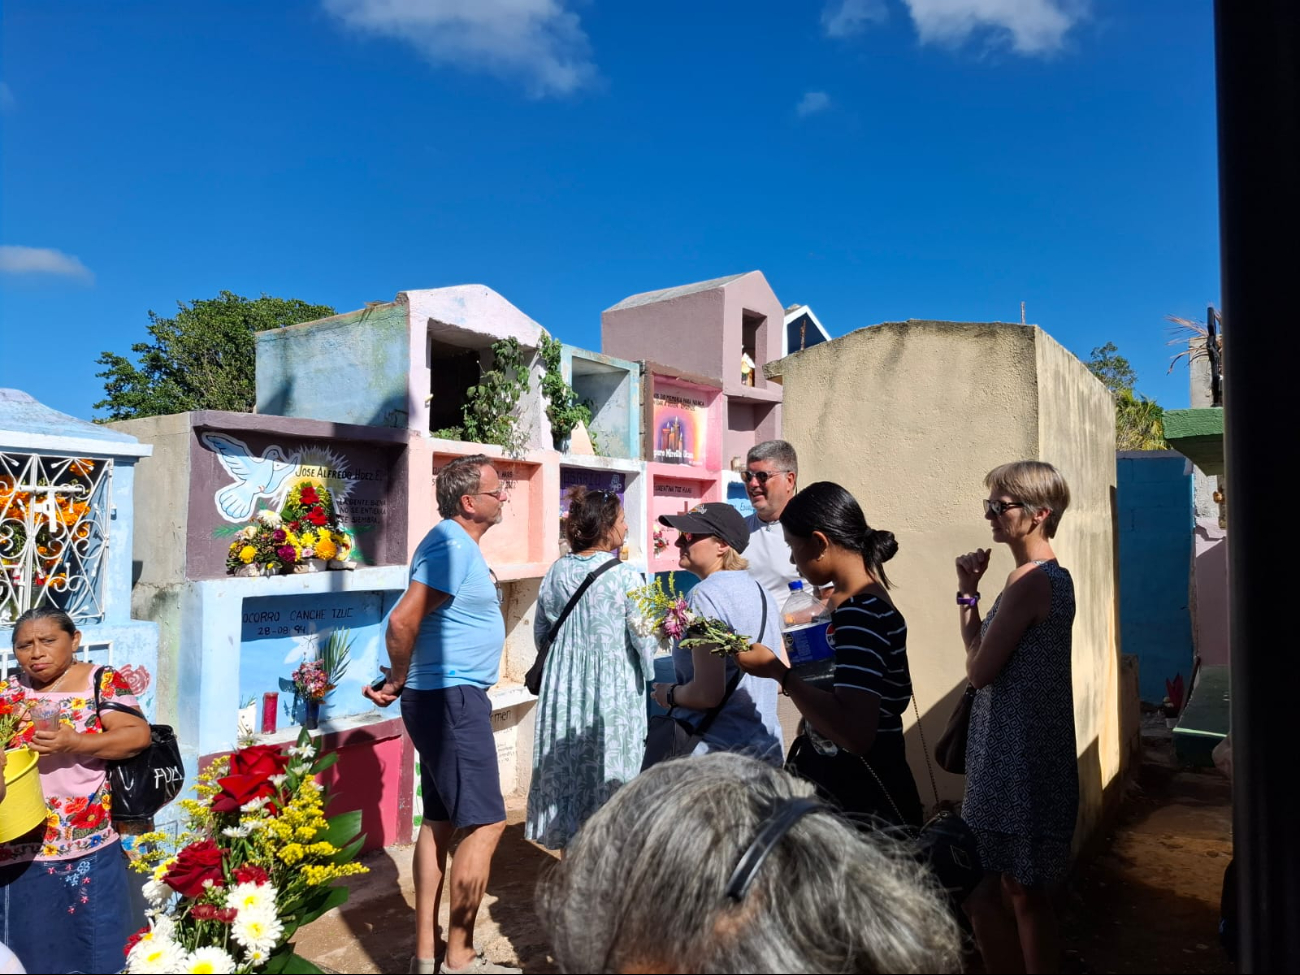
[591, 711]
[63, 887]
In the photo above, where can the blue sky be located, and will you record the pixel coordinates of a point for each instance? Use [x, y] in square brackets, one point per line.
[877, 159]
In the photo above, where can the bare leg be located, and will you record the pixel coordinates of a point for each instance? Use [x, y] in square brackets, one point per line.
[995, 927]
[469, 876]
[1040, 937]
[431, 846]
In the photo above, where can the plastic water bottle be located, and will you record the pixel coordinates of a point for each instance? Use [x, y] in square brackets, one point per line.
[804, 622]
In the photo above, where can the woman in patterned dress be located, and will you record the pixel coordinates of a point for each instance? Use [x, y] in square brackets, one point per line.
[1022, 781]
[591, 710]
[63, 887]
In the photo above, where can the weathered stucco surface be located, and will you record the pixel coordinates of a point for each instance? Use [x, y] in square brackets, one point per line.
[910, 416]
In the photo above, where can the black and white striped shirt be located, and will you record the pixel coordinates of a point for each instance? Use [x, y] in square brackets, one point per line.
[870, 641]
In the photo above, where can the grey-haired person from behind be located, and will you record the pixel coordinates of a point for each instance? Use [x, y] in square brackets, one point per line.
[721, 863]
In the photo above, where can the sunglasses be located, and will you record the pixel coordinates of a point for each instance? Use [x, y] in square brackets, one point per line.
[760, 476]
[996, 508]
[687, 539]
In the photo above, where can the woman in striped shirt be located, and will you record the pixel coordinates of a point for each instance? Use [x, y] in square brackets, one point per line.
[850, 742]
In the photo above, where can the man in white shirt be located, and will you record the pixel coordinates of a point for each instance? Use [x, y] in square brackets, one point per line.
[771, 470]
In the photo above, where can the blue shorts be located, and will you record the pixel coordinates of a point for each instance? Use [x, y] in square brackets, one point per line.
[451, 729]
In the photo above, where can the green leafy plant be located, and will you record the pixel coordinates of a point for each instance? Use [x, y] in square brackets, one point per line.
[490, 406]
[563, 408]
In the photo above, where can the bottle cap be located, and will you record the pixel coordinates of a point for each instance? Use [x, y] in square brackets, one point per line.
[796, 585]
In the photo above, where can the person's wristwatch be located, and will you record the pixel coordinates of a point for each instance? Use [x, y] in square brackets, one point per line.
[668, 696]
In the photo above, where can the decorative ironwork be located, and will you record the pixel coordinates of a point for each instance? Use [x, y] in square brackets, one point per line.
[54, 521]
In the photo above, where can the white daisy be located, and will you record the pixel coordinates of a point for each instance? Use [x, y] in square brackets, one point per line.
[209, 961]
[302, 751]
[279, 779]
[254, 805]
[157, 893]
[256, 930]
[257, 898]
[156, 956]
[237, 832]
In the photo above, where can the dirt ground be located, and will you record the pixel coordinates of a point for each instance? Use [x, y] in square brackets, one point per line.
[1148, 901]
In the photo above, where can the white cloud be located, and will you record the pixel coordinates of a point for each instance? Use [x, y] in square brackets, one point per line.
[812, 103]
[42, 260]
[538, 41]
[1033, 26]
[846, 18]
[7, 100]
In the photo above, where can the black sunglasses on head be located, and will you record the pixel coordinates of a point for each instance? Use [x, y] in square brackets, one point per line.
[996, 508]
[760, 476]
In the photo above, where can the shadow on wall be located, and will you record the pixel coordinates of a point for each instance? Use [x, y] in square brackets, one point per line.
[391, 413]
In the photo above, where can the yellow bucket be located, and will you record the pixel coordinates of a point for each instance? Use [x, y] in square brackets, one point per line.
[23, 808]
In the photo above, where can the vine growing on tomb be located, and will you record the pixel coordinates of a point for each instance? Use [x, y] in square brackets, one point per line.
[563, 408]
[489, 414]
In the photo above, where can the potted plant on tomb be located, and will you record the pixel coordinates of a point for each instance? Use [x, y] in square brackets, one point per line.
[314, 680]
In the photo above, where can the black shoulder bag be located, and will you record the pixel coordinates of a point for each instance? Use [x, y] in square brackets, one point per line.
[533, 679]
[668, 737]
[143, 784]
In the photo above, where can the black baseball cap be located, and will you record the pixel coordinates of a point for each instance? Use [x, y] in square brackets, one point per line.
[714, 518]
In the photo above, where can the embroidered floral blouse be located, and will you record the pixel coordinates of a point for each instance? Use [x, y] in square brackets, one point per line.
[76, 787]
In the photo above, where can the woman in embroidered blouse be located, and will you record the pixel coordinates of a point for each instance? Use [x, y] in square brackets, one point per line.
[63, 887]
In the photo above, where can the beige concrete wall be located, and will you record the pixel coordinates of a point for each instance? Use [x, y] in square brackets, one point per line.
[162, 497]
[910, 416]
[1076, 429]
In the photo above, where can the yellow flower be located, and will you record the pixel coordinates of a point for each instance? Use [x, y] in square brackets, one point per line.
[291, 853]
[247, 554]
[77, 703]
[326, 549]
[307, 538]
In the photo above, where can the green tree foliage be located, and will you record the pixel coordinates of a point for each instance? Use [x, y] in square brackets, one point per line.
[1139, 422]
[202, 359]
[1112, 368]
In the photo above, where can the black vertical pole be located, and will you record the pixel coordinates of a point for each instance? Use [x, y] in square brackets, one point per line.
[1257, 57]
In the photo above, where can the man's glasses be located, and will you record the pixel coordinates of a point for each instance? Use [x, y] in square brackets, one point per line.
[500, 494]
[995, 508]
[760, 476]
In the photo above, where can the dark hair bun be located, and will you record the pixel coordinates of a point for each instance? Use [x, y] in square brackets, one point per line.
[882, 544]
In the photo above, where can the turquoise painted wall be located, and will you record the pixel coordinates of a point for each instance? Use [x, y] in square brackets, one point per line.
[353, 368]
[1154, 500]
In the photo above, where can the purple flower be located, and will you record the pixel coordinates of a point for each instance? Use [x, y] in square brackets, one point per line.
[286, 553]
[279, 535]
[678, 619]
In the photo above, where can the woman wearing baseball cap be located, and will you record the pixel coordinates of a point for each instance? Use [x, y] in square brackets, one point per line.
[710, 539]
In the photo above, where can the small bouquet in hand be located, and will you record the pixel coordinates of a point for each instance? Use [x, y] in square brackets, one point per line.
[664, 614]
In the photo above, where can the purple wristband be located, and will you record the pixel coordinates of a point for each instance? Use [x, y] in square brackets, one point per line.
[971, 601]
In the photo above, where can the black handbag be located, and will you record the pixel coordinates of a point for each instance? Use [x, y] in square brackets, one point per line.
[533, 679]
[143, 784]
[668, 737]
[950, 749]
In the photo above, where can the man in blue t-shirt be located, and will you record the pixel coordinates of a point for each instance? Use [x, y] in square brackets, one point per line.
[444, 639]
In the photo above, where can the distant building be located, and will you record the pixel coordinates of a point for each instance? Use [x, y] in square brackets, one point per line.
[802, 330]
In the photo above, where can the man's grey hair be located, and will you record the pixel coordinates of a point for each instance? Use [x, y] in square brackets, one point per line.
[460, 477]
[643, 886]
[776, 452]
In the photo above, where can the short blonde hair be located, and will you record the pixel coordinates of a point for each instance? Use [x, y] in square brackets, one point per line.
[1036, 485]
[733, 561]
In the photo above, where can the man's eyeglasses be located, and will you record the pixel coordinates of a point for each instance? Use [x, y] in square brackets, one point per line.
[500, 494]
[995, 508]
[760, 476]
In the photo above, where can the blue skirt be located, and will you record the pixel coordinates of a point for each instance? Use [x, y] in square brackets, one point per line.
[65, 916]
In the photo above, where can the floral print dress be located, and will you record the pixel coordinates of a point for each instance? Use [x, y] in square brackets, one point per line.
[591, 712]
[76, 786]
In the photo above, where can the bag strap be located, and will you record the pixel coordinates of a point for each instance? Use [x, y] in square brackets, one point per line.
[732, 684]
[573, 601]
[111, 705]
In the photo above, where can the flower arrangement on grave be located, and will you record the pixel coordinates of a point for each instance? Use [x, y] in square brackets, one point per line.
[258, 860]
[305, 529]
[313, 680]
[660, 539]
[14, 708]
[665, 615]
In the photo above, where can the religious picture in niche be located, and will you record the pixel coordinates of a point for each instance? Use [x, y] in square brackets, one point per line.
[679, 415]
